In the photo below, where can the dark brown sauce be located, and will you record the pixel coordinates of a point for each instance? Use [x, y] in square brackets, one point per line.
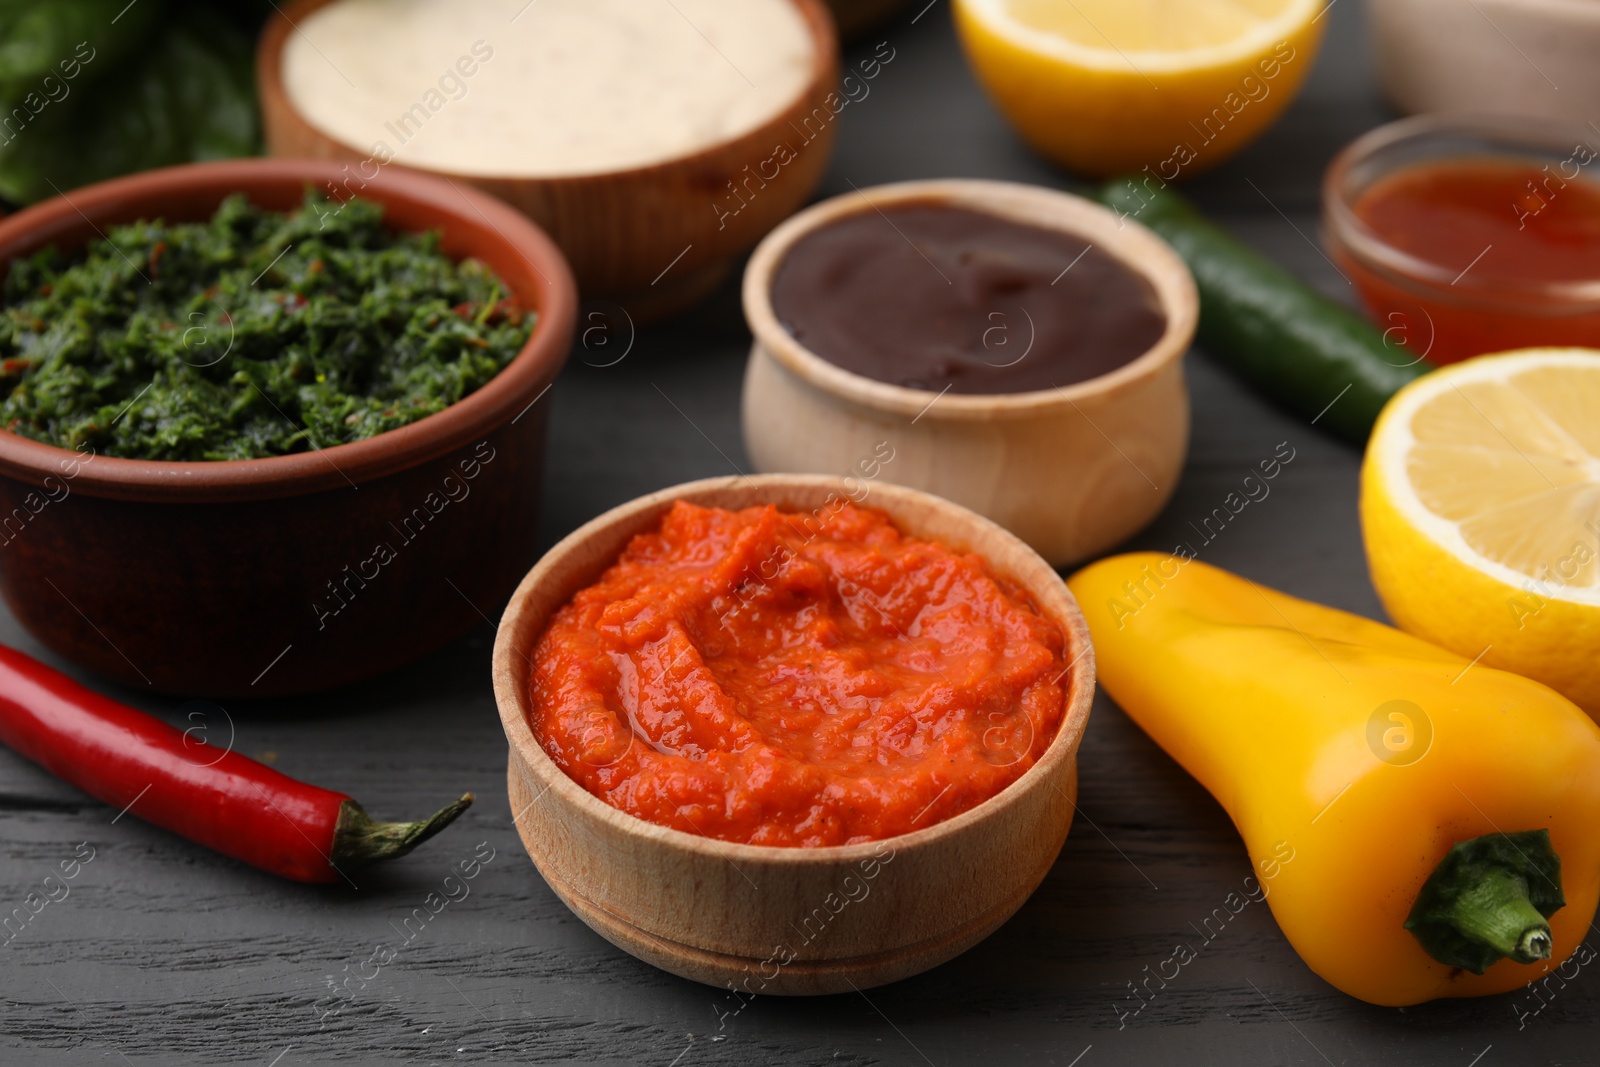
[931, 296]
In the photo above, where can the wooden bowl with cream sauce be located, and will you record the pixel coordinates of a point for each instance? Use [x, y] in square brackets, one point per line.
[654, 160]
[768, 920]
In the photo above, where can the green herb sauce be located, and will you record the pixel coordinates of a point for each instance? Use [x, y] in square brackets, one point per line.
[255, 334]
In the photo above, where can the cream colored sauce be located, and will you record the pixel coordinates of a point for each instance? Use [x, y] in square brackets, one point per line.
[549, 87]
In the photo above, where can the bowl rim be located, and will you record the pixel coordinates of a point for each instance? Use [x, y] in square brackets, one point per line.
[1581, 8]
[814, 13]
[511, 692]
[1511, 136]
[532, 370]
[1138, 248]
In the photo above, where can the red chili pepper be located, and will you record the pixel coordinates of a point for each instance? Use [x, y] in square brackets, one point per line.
[213, 796]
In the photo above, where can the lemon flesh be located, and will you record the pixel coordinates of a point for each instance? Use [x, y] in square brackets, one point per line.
[1108, 86]
[1166, 27]
[1481, 514]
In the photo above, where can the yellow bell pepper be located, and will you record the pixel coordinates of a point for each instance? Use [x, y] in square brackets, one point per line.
[1443, 817]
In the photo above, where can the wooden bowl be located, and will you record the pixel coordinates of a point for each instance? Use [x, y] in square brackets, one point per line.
[655, 238]
[729, 914]
[206, 578]
[1072, 471]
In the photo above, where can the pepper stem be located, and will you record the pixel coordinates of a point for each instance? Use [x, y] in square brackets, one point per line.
[1489, 900]
[359, 840]
[1497, 913]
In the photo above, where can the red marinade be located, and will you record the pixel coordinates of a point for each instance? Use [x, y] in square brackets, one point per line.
[797, 679]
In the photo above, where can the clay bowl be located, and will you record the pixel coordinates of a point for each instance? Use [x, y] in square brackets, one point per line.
[655, 238]
[717, 912]
[258, 577]
[1072, 471]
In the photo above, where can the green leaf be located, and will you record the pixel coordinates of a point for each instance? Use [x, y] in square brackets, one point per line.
[185, 93]
[40, 39]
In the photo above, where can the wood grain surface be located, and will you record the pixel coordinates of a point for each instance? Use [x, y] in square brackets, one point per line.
[164, 954]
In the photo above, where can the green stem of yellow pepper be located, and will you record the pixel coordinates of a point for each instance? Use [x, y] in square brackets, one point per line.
[1488, 900]
[1497, 913]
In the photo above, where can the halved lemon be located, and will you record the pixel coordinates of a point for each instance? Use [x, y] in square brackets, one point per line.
[1111, 86]
[1480, 505]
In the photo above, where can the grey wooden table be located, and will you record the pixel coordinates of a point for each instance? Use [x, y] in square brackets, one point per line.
[165, 953]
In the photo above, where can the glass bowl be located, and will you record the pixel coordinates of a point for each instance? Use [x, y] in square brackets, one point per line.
[1446, 312]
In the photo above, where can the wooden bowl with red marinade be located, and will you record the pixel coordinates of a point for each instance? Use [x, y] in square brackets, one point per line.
[865, 772]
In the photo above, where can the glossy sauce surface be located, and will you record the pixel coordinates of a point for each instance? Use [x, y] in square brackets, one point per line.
[796, 679]
[1506, 220]
[931, 296]
[1496, 222]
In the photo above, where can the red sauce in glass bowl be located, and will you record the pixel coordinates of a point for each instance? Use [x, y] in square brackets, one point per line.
[1480, 255]
[796, 679]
